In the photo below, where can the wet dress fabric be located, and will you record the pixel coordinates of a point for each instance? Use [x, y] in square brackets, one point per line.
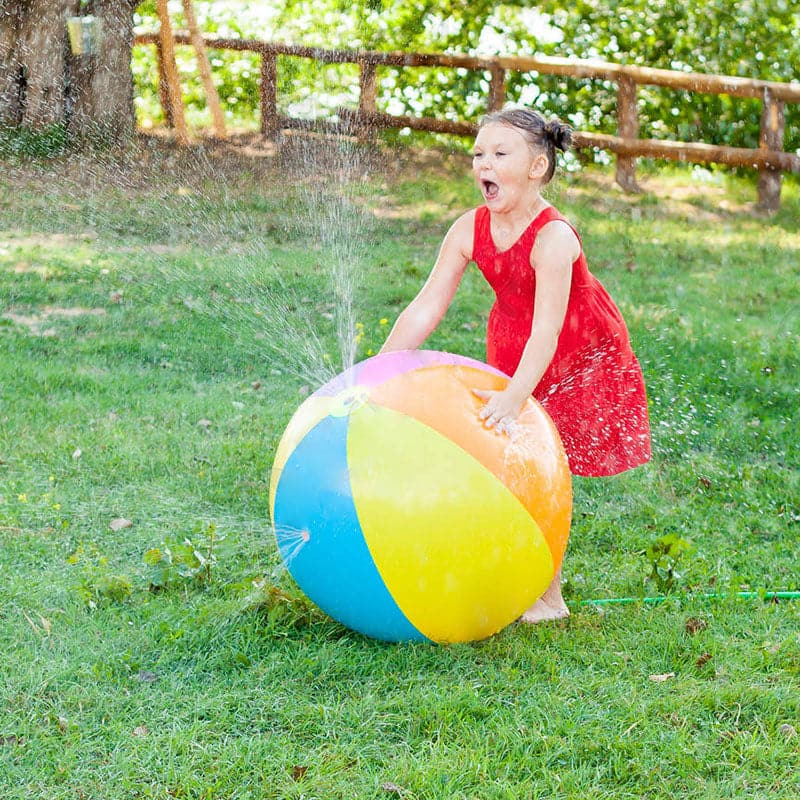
[593, 388]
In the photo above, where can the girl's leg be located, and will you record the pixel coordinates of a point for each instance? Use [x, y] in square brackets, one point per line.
[550, 605]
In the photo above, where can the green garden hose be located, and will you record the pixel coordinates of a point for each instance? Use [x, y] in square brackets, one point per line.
[607, 601]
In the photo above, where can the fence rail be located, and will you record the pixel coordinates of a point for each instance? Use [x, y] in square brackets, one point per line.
[769, 158]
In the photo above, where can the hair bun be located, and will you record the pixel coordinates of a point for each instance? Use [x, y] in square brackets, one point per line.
[559, 133]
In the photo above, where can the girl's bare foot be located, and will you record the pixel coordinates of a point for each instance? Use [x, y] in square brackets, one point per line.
[550, 605]
[543, 611]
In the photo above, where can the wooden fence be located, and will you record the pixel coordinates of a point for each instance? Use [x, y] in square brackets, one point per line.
[769, 158]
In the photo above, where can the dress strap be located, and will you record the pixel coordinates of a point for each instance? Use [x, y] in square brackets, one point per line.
[550, 214]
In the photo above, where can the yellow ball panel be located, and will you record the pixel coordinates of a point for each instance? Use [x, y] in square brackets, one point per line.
[459, 553]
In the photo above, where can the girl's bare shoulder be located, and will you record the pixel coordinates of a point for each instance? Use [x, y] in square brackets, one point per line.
[461, 232]
[466, 221]
[557, 236]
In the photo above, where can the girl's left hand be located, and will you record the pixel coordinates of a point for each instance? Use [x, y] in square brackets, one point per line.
[501, 410]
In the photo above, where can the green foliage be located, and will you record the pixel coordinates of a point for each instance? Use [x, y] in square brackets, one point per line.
[188, 561]
[664, 555]
[282, 610]
[752, 40]
[755, 40]
[98, 584]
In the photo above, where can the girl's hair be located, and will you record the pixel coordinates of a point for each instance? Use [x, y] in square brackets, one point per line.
[544, 135]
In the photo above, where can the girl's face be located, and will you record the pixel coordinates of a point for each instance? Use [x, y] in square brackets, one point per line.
[504, 166]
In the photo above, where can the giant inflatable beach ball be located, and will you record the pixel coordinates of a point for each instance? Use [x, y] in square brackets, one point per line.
[400, 515]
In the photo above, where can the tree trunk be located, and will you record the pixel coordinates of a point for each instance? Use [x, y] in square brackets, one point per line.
[32, 44]
[10, 68]
[42, 47]
[101, 86]
[42, 83]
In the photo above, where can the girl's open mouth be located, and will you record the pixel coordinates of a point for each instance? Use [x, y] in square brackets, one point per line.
[490, 189]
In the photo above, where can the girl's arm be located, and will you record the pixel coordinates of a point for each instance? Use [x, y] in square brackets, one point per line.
[426, 310]
[553, 254]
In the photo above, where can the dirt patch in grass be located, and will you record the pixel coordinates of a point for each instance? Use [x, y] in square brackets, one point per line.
[36, 322]
[47, 241]
[674, 196]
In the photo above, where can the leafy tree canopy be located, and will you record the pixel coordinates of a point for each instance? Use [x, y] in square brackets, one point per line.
[733, 37]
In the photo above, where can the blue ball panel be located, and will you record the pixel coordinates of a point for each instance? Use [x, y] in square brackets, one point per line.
[320, 538]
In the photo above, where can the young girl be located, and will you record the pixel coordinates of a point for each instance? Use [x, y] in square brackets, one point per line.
[553, 327]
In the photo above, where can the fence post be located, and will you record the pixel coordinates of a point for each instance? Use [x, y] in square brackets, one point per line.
[368, 92]
[368, 85]
[497, 88]
[627, 128]
[773, 123]
[269, 94]
[163, 89]
[170, 72]
[204, 68]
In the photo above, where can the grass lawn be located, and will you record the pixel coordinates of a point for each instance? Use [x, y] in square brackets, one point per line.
[162, 314]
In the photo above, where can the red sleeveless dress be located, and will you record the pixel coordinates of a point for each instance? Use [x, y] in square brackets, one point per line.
[593, 389]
